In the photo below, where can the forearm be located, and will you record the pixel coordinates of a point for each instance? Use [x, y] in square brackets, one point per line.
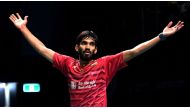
[141, 48]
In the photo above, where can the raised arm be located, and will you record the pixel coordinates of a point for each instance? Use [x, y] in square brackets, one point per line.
[33, 41]
[141, 48]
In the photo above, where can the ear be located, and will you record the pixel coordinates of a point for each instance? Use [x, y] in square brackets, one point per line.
[96, 50]
[76, 47]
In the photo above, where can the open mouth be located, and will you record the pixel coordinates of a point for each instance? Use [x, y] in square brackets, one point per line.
[87, 52]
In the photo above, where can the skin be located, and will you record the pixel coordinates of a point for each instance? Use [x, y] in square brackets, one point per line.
[168, 31]
[86, 50]
[86, 44]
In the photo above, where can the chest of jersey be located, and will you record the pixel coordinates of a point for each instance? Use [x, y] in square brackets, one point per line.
[92, 75]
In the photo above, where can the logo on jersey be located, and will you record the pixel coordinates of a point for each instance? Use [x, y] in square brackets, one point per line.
[82, 85]
[73, 85]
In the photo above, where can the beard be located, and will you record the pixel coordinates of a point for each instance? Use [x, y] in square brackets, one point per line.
[86, 55]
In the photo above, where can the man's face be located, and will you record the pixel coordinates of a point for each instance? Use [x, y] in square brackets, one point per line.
[87, 48]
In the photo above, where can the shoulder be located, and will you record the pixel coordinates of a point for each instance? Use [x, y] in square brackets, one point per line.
[62, 56]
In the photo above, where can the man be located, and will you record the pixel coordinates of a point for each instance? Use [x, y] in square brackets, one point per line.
[88, 78]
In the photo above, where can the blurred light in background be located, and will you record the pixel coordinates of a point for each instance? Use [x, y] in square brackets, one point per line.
[31, 87]
[6, 91]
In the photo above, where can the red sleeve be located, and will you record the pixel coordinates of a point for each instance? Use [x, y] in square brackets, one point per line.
[114, 63]
[60, 62]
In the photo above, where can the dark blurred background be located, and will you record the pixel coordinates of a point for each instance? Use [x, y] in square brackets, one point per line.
[158, 77]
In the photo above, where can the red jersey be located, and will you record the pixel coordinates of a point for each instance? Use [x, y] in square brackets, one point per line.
[87, 85]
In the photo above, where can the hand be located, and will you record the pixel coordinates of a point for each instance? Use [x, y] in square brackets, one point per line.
[168, 30]
[18, 21]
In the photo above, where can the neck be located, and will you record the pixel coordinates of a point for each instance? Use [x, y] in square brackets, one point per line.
[84, 62]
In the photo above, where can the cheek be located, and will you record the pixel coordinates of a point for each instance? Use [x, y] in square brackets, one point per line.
[93, 50]
[81, 48]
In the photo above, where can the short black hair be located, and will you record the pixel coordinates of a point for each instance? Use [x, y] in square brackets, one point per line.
[87, 33]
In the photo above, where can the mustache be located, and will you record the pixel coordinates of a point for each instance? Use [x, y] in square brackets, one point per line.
[87, 51]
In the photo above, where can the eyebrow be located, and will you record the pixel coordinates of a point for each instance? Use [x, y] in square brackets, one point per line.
[87, 42]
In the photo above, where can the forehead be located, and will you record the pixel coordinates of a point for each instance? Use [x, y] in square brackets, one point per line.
[88, 39]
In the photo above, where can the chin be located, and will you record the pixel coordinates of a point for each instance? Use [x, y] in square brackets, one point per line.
[87, 58]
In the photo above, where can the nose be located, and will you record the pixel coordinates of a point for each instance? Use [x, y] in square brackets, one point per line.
[87, 46]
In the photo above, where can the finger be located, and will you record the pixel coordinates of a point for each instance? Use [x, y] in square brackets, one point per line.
[181, 23]
[178, 23]
[13, 16]
[11, 19]
[180, 27]
[169, 24]
[25, 18]
[18, 15]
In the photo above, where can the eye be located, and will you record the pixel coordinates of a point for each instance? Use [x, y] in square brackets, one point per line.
[83, 43]
[92, 44]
